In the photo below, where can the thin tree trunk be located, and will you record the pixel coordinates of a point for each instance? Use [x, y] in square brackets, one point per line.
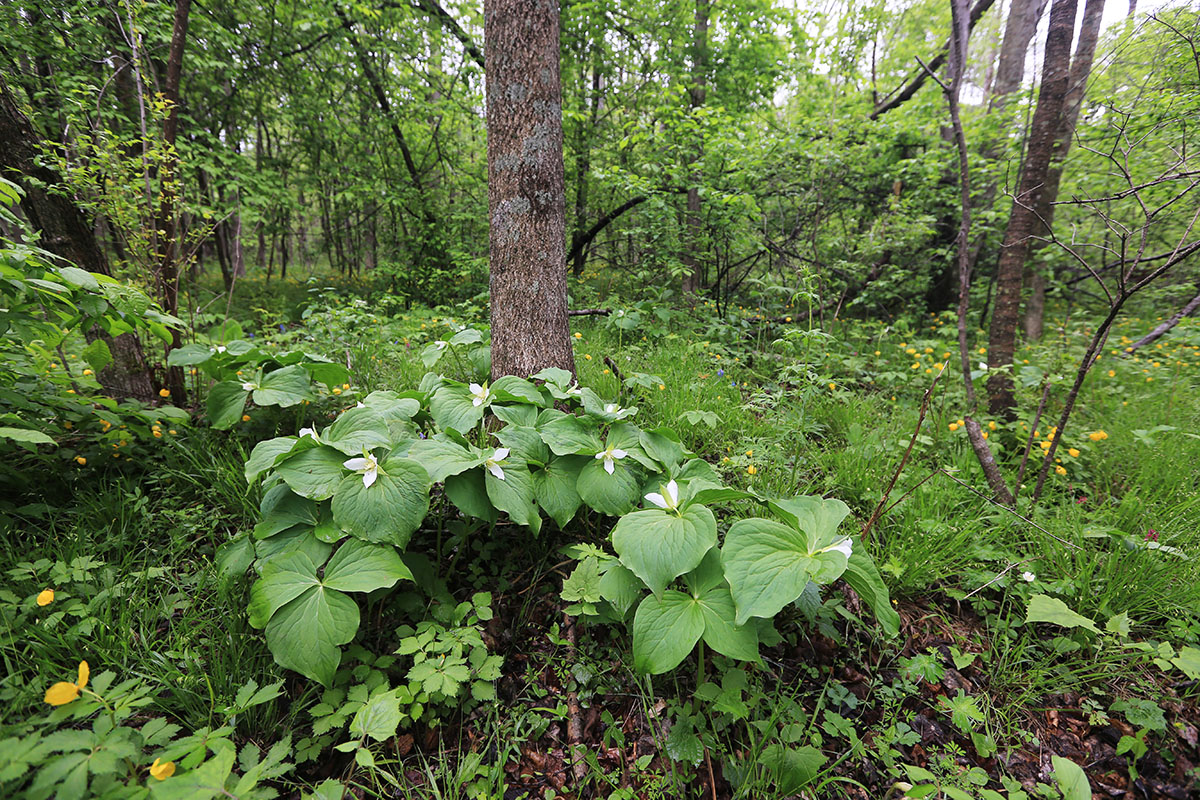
[1191, 307]
[67, 233]
[1081, 68]
[526, 188]
[1022, 222]
[693, 278]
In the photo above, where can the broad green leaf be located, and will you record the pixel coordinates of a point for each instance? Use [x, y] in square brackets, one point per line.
[332, 375]
[441, 457]
[266, 454]
[379, 716]
[283, 387]
[721, 632]
[294, 540]
[767, 565]
[791, 768]
[97, 355]
[205, 782]
[658, 545]
[79, 278]
[1188, 661]
[864, 578]
[282, 509]
[390, 509]
[314, 473]
[361, 567]
[469, 494]
[510, 388]
[663, 446]
[390, 405]
[523, 414]
[233, 559]
[305, 634]
[1043, 608]
[609, 494]
[514, 494]
[554, 488]
[665, 629]
[283, 579]
[453, 408]
[356, 430]
[1071, 779]
[524, 443]
[226, 400]
[189, 355]
[818, 517]
[620, 587]
[467, 336]
[569, 435]
[25, 435]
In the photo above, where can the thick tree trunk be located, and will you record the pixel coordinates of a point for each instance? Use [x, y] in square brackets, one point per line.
[1023, 16]
[168, 273]
[526, 191]
[1081, 68]
[693, 277]
[1023, 220]
[67, 233]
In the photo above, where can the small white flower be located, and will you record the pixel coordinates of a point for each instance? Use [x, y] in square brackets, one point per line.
[983, 366]
[367, 465]
[574, 391]
[1028, 577]
[611, 408]
[360, 404]
[247, 386]
[845, 547]
[493, 463]
[309, 432]
[440, 345]
[479, 394]
[669, 499]
[609, 456]
[220, 348]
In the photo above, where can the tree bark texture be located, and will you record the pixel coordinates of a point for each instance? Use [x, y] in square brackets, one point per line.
[1081, 69]
[1022, 223]
[1019, 28]
[68, 234]
[526, 188]
[693, 278]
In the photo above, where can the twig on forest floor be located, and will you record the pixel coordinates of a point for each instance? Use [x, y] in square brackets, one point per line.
[574, 716]
[1003, 572]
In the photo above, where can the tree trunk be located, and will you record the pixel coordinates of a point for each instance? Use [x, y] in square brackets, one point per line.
[1019, 28]
[526, 188]
[67, 233]
[1022, 222]
[693, 278]
[1081, 68]
[168, 272]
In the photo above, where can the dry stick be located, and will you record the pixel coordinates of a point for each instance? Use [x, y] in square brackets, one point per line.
[1009, 509]
[904, 460]
[574, 721]
[1003, 572]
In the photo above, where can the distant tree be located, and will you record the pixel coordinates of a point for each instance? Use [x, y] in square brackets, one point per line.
[526, 191]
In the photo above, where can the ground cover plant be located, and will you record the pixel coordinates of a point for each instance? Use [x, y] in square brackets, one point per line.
[723, 399]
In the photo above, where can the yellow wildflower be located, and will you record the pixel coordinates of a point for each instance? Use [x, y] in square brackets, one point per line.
[87, 372]
[62, 692]
[1096, 436]
[164, 392]
[953, 427]
[578, 335]
[662, 387]
[1072, 452]
[751, 470]
[245, 418]
[587, 356]
[1061, 470]
[992, 425]
[162, 771]
[45, 597]
[80, 460]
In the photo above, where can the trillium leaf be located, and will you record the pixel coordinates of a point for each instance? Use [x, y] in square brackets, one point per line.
[554, 488]
[361, 567]
[313, 473]
[514, 494]
[283, 387]
[391, 405]
[665, 630]
[523, 414]
[1043, 608]
[663, 446]
[283, 580]
[390, 509]
[569, 435]
[659, 546]
[225, 403]
[864, 578]
[266, 454]
[469, 494]
[767, 565]
[189, 355]
[511, 389]
[332, 375]
[452, 408]
[356, 430]
[818, 517]
[305, 634]
[467, 336]
[1071, 779]
[524, 443]
[299, 539]
[721, 632]
[620, 587]
[441, 457]
[612, 494]
[282, 509]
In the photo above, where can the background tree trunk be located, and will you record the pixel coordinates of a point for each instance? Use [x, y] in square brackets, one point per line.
[1023, 220]
[526, 191]
[693, 278]
[67, 233]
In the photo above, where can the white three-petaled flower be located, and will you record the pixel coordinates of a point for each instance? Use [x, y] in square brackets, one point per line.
[493, 463]
[309, 432]
[844, 547]
[479, 394]
[1028, 577]
[609, 455]
[574, 391]
[247, 386]
[669, 499]
[367, 465]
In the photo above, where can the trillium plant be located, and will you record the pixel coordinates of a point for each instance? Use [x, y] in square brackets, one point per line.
[340, 507]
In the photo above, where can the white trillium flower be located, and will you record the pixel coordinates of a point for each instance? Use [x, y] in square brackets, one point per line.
[309, 432]
[367, 465]
[983, 366]
[845, 546]
[493, 463]
[218, 349]
[609, 456]
[247, 386]
[574, 391]
[1028, 577]
[669, 499]
[360, 404]
[479, 394]
[440, 345]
